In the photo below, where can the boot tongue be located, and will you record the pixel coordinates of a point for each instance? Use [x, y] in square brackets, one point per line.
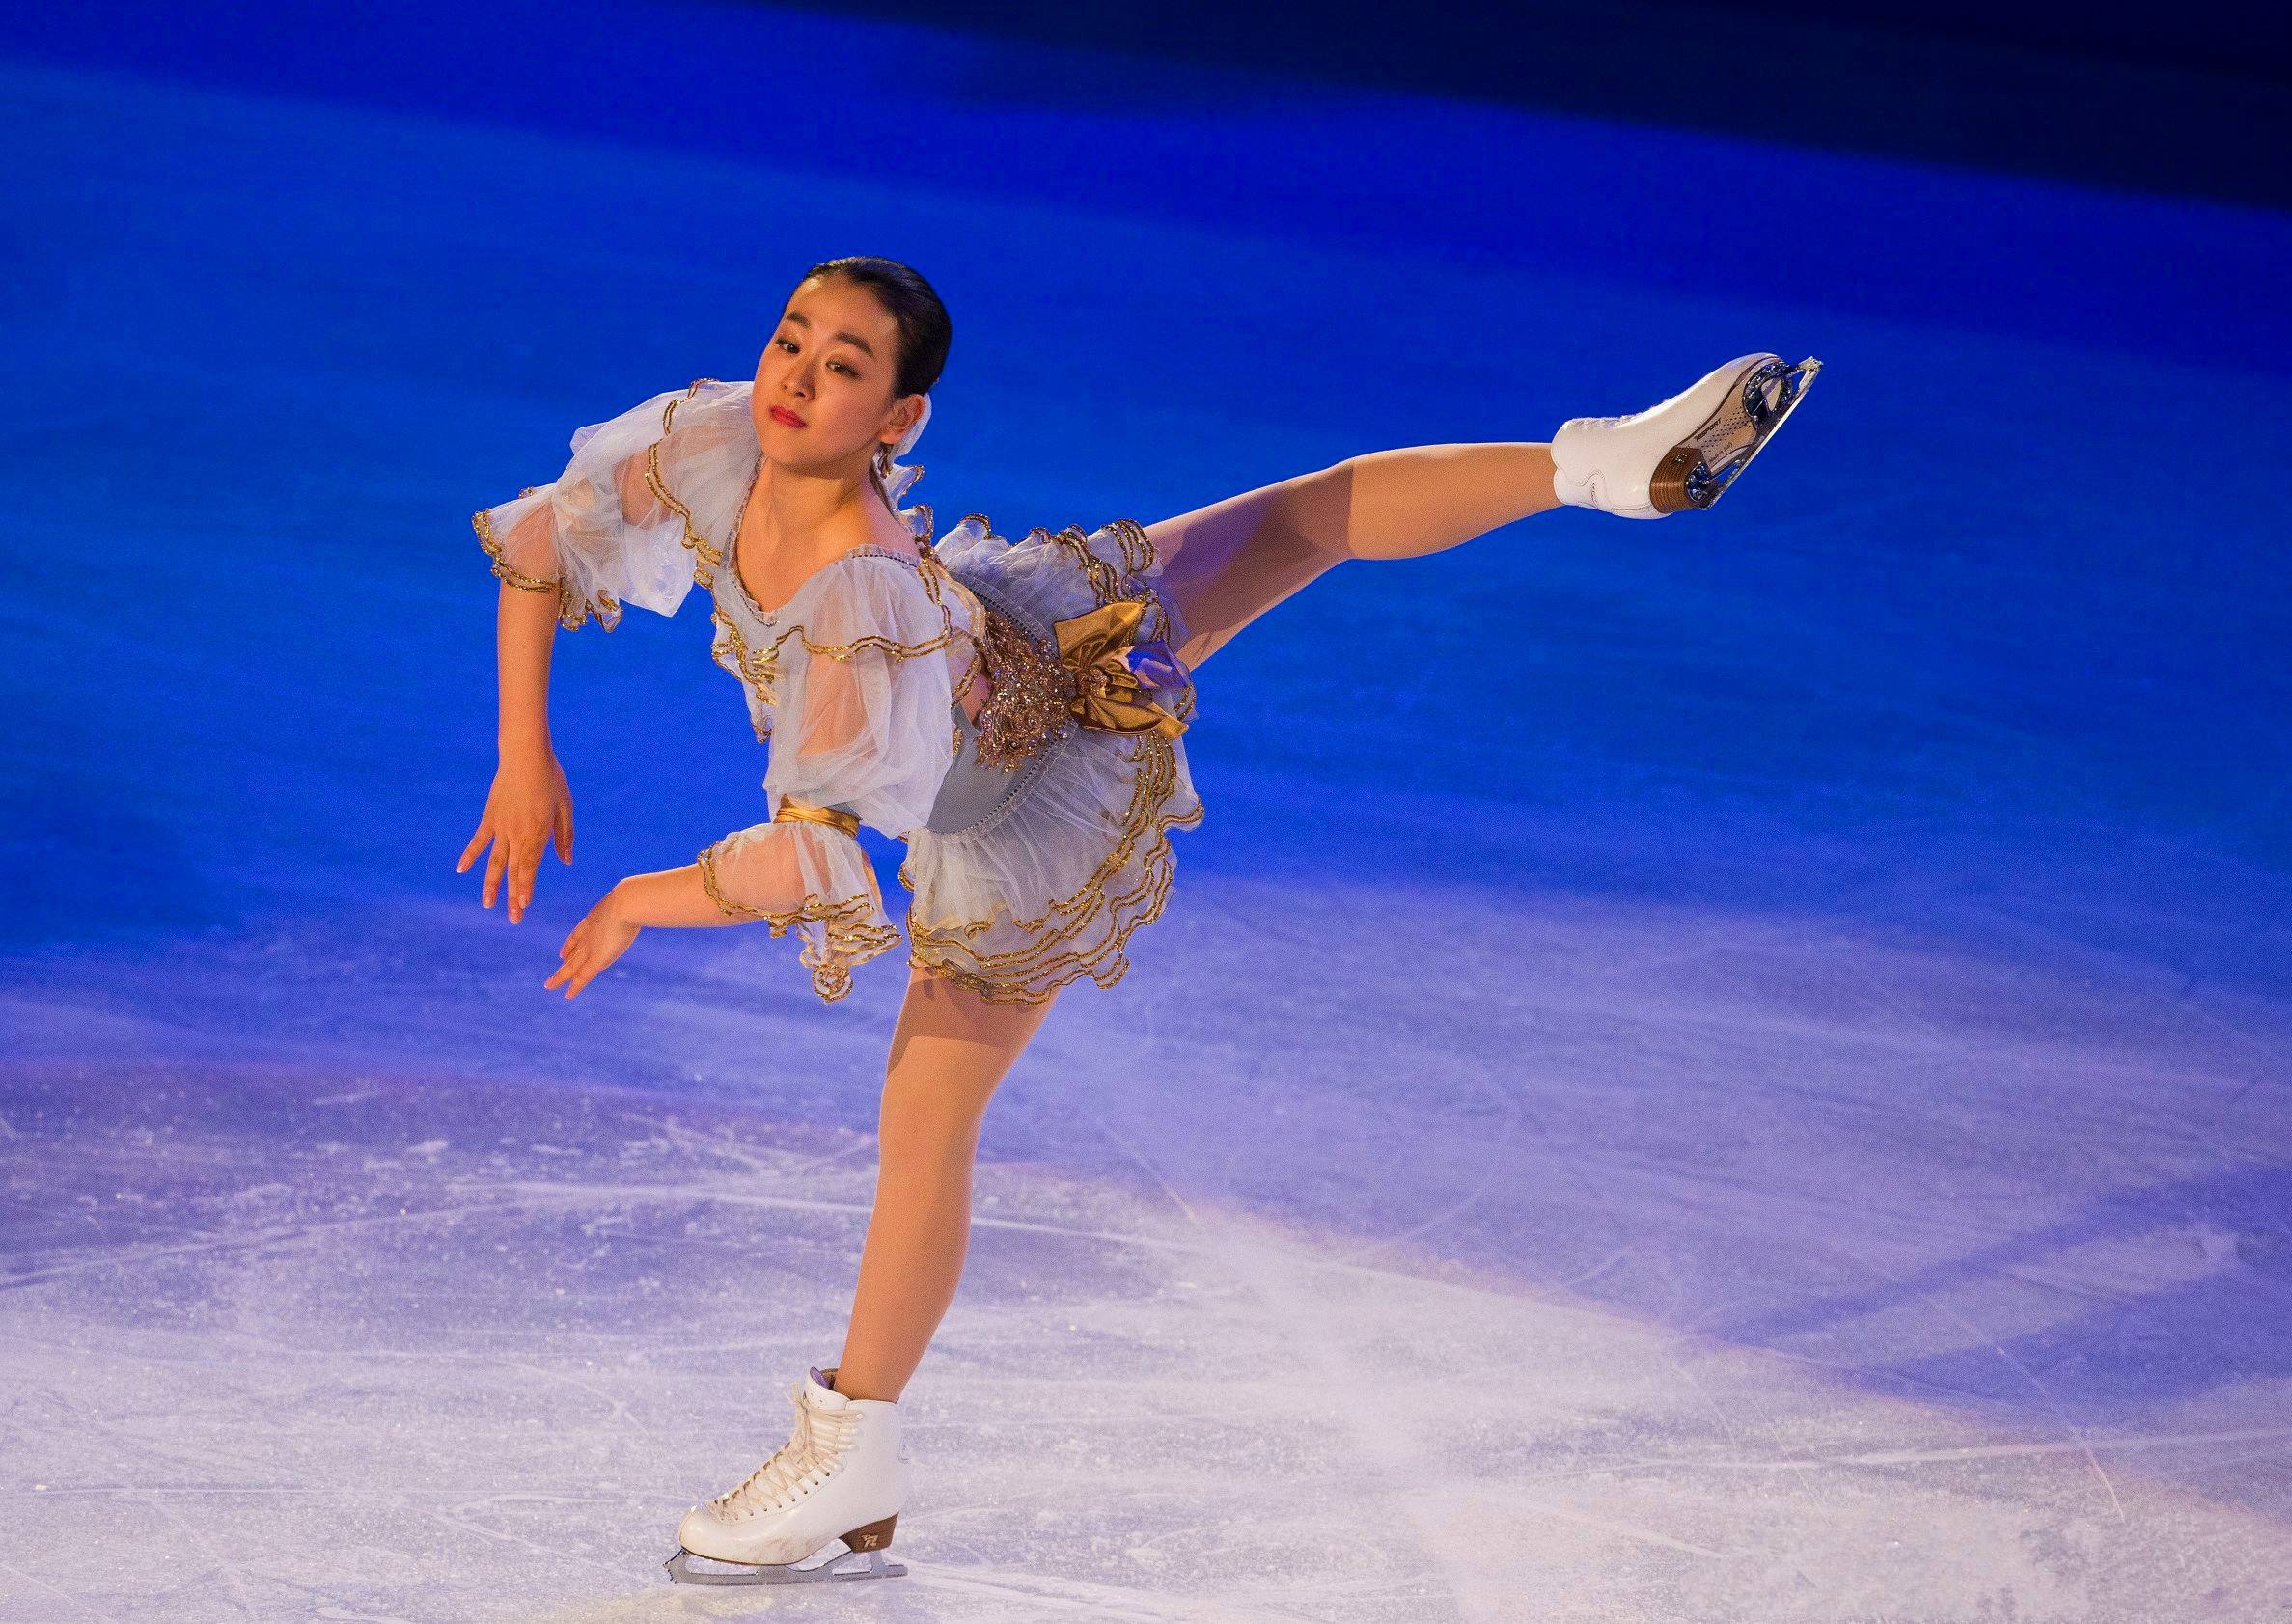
[822, 1395]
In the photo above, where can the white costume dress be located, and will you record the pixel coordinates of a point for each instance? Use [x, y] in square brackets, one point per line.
[1037, 836]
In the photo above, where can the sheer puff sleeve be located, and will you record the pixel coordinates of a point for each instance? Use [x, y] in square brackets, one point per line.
[867, 662]
[626, 520]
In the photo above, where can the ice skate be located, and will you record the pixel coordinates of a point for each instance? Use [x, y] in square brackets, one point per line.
[841, 1479]
[1684, 453]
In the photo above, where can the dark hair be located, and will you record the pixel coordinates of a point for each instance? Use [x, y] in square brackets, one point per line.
[924, 331]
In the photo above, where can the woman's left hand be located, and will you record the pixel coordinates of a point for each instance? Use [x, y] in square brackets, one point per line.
[600, 937]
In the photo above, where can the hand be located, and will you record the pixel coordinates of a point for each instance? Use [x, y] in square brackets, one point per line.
[602, 936]
[529, 804]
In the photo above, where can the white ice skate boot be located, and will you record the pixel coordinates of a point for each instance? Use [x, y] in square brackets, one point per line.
[839, 1478]
[1684, 453]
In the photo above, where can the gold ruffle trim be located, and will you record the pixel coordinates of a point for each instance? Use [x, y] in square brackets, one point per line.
[481, 521]
[571, 612]
[1033, 973]
[758, 670]
[849, 939]
[705, 557]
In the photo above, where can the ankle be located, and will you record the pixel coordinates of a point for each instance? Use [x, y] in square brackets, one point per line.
[854, 1387]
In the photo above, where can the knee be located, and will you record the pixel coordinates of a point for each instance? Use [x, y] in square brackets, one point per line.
[932, 1116]
[1314, 510]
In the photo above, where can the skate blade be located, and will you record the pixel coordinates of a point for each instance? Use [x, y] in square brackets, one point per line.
[1796, 381]
[1685, 480]
[872, 1565]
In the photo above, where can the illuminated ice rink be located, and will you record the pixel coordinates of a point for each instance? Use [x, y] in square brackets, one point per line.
[1732, 1071]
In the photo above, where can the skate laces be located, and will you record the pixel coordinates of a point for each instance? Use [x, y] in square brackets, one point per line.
[820, 1437]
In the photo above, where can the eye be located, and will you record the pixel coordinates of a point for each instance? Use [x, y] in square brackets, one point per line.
[790, 346]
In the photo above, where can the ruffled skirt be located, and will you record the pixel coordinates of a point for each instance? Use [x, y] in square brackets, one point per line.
[1029, 876]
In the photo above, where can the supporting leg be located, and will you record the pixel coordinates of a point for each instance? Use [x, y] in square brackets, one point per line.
[1228, 562]
[950, 1050]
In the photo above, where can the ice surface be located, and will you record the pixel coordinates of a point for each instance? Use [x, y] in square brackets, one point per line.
[1724, 1071]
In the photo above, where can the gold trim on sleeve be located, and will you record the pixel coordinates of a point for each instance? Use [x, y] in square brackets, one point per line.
[481, 521]
[792, 811]
[848, 937]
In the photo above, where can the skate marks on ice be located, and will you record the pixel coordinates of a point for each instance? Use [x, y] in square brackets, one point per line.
[1452, 1450]
[482, 1345]
[1904, 1364]
[1724, 1267]
[480, 1348]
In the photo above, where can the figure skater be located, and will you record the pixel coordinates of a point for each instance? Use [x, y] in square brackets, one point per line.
[1013, 712]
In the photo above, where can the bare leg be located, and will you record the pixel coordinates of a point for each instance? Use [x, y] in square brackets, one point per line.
[949, 1051]
[1225, 564]
[1228, 562]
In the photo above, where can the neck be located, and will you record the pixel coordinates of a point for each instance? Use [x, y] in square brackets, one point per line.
[798, 514]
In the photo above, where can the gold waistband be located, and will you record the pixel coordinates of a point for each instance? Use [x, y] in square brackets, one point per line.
[798, 812]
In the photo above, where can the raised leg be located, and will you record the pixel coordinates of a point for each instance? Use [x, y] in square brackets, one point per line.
[950, 1050]
[1228, 562]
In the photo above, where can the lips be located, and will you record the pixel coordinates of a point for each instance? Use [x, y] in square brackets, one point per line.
[782, 414]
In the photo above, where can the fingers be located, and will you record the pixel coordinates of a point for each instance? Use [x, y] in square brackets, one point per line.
[573, 956]
[522, 865]
[469, 853]
[575, 973]
[565, 830]
[517, 860]
[569, 956]
[585, 955]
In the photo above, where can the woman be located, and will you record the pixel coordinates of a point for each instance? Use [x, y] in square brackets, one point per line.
[1013, 712]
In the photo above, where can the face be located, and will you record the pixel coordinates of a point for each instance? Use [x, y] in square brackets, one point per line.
[823, 386]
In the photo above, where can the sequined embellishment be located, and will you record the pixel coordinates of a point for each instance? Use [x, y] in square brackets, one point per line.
[1030, 693]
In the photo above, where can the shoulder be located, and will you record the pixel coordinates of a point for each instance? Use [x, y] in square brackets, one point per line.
[704, 405]
[698, 453]
[706, 395]
[881, 581]
[703, 402]
[869, 598]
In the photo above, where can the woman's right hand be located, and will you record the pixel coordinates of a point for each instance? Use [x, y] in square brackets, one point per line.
[529, 805]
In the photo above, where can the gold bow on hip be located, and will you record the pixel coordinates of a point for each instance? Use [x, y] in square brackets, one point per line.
[1107, 694]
